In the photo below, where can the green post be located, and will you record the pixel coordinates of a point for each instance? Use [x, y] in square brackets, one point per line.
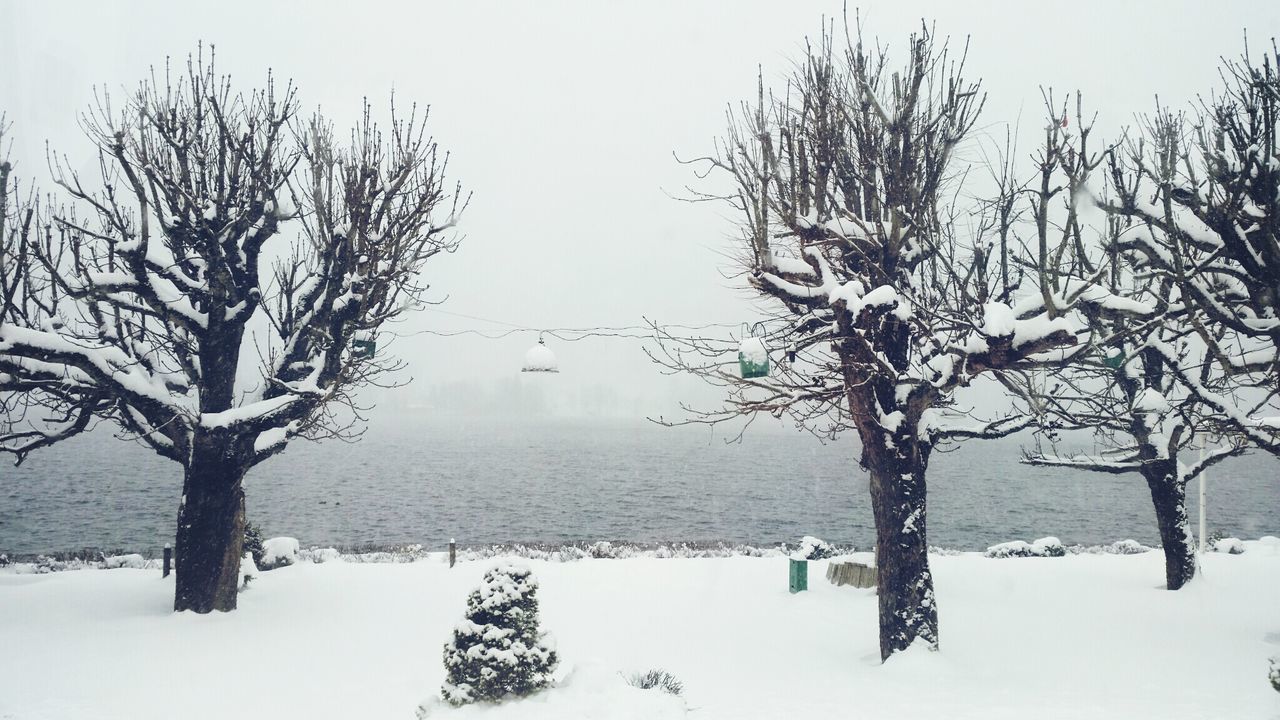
[799, 575]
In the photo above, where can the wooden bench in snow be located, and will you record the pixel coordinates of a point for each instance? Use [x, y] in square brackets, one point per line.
[851, 573]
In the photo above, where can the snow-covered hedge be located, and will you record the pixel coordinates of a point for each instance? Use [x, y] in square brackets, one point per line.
[1230, 545]
[132, 560]
[498, 650]
[278, 552]
[812, 548]
[1044, 547]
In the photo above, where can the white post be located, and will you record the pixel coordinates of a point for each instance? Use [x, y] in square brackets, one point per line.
[1203, 536]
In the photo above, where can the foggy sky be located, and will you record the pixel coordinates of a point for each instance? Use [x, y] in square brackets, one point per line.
[563, 119]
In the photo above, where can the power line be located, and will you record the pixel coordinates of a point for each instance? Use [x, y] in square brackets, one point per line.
[565, 334]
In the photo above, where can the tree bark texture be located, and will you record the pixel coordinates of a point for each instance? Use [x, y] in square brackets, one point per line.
[210, 538]
[908, 608]
[1169, 497]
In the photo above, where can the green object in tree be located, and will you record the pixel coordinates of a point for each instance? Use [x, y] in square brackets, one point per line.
[753, 359]
[363, 348]
[799, 575]
[1113, 359]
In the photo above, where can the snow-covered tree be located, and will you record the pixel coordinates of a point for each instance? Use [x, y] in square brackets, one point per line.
[1203, 192]
[217, 292]
[499, 649]
[879, 311]
[1125, 391]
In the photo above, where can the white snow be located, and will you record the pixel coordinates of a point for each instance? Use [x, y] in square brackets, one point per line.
[1044, 547]
[132, 560]
[753, 351]
[539, 358]
[1064, 638]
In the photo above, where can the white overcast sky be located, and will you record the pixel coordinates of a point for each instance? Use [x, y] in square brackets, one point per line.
[562, 117]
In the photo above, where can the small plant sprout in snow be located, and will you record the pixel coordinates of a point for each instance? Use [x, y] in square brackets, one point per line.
[498, 650]
[660, 679]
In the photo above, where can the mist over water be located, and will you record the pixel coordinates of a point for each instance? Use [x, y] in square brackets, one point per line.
[422, 478]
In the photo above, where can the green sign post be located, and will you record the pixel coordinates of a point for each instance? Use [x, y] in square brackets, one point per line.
[799, 575]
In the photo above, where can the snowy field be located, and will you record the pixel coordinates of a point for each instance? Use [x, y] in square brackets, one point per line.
[1082, 636]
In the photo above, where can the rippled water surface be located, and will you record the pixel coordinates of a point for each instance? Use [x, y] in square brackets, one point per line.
[424, 480]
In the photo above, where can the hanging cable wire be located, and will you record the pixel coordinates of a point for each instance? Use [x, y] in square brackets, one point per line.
[565, 334]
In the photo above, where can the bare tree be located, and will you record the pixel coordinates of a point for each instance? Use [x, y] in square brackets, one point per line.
[1126, 392]
[878, 312]
[146, 299]
[1203, 192]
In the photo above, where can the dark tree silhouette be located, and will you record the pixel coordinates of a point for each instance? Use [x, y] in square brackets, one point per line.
[879, 312]
[222, 230]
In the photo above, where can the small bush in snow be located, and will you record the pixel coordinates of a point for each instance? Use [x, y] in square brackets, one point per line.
[656, 678]
[498, 650]
[1044, 547]
[1274, 675]
[253, 542]
[320, 555]
[132, 560]
[1125, 547]
[277, 553]
[1231, 546]
[46, 564]
[602, 549]
[248, 571]
[812, 548]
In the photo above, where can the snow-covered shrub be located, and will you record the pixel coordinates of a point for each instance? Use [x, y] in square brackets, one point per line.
[812, 548]
[320, 555]
[253, 542]
[1125, 547]
[4, 560]
[1044, 547]
[248, 571]
[1274, 675]
[602, 549]
[46, 564]
[1230, 545]
[657, 678]
[498, 650]
[278, 552]
[132, 560]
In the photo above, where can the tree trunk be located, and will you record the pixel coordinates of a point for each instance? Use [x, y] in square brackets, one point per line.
[210, 538]
[908, 609]
[1169, 496]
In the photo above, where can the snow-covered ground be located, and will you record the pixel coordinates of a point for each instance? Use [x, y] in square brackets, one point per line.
[1081, 636]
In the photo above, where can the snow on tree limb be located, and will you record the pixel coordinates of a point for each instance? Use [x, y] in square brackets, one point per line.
[131, 301]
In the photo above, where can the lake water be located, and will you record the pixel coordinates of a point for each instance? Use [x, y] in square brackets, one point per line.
[417, 479]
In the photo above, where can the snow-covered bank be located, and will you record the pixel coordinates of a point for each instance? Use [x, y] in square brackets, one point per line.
[1066, 637]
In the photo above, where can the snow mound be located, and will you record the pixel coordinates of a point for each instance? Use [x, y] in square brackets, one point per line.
[278, 552]
[1125, 547]
[812, 548]
[1230, 546]
[589, 690]
[320, 555]
[132, 560]
[1044, 547]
